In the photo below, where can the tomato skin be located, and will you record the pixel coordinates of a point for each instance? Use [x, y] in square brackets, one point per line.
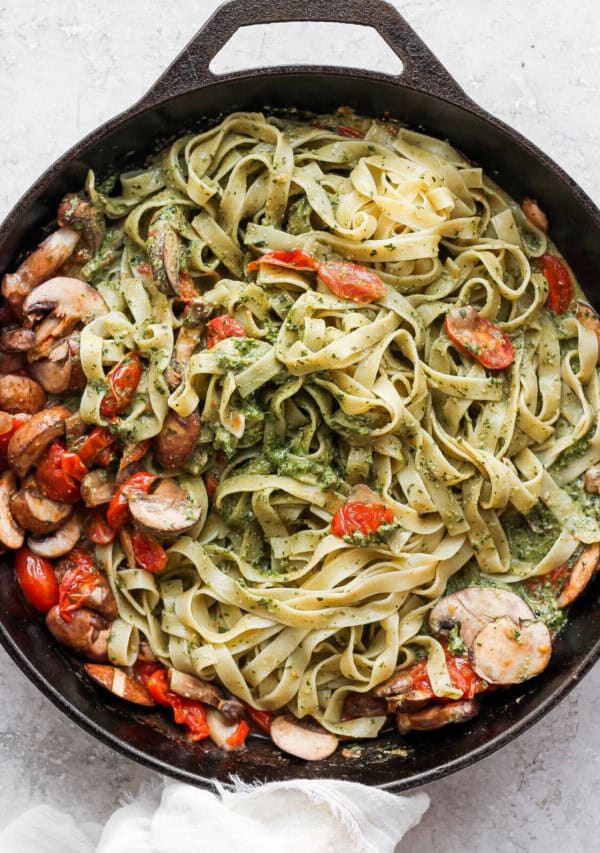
[78, 584]
[461, 673]
[13, 422]
[560, 284]
[263, 719]
[73, 468]
[158, 686]
[352, 281]
[123, 380]
[239, 735]
[479, 338]
[133, 453]
[117, 513]
[99, 530]
[220, 328]
[188, 712]
[94, 444]
[360, 517]
[293, 259]
[37, 580]
[149, 553]
[50, 475]
[211, 481]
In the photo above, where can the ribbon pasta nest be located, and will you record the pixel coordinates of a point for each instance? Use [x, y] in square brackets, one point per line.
[394, 395]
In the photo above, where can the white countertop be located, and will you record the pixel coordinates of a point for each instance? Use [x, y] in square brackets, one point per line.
[64, 68]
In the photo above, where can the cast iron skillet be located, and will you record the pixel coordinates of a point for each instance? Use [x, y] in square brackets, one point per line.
[424, 96]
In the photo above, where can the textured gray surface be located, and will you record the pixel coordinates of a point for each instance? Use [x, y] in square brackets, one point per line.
[66, 67]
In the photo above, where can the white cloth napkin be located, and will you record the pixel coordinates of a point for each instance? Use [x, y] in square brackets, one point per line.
[295, 817]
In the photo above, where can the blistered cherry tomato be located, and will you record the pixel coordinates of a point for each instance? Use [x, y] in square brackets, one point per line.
[123, 380]
[157, 685]
[292, 259]
[352, 281]
[360, 517]
[191, 714]
[149, 553]
[222, 327]
[94, 444]
[37, 579]
[239, 735]
[263, 719]
[211, 481]
[117, 513]
[99, 530]
[479, 338]
[133, 453]
[560, 285]
[54, 476]
[79, 582]
[9, 424]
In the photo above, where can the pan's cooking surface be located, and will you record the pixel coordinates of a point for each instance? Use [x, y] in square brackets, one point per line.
[521, 172]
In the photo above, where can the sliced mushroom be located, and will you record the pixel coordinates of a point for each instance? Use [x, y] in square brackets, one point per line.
[86, 634]
[473, 607]
[42, 263]
[118, 682]
[11, 535]
[166, 512]
[127, 546]
[400, 682]
[62, 302]
[581, 575]
[504, 653]
[60, 371]
[164, 249]
[220, 730]
[591, 481]
[436, 716]
[11, 362]
[21, 394]
[363, 705]
[204, 691]
[60, 542]
[534, 213]
[83, 216]
[29, 443]
[195, 315]
[75, 428]
[97, 488]
[177, 439]
[311, 744]
[36, 513]
[409, 702]
[16, 340]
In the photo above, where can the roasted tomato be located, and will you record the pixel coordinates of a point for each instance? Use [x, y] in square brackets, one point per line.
[123, 380]
[352, 281]
[188, 712]
[117, 513]
[360, 517]
[133, 453]
[461, 673]
[9, 424]
[37, 579]
[560, 284]
[79, 582]
[293, 259]
[222, 327]
[59, 473]
[149, 553]
[94, 444]
[262, 719]
[477, 337]
[99, 530]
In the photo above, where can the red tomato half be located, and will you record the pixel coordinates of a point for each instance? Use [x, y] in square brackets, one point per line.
[94, 444]
[192, 715]
[117, 513]
[223, 327]
[157, 685]
[123, 380]
[479, 338]
[360, 517]
[37, 579]
[99, 530]
[149, 553]
[560, 285]
[133, 453]
[291, 259]
[9, 424]
[239, 735]
[352, 281]
[263, 719]
[79, 582]
[54, 474]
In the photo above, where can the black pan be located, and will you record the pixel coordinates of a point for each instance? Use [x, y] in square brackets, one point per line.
[426, 97]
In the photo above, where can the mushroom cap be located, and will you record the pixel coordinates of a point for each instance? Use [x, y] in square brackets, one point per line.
[58, 543]
[35, 512]
[11, 534]
[29, 443]
[21, 394]
[65, 297]
[475, 606]
[166, 512]
[292, 737]
[86, 634]
[504, 653]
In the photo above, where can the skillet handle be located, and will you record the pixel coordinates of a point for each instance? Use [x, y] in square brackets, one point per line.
[190, 70]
